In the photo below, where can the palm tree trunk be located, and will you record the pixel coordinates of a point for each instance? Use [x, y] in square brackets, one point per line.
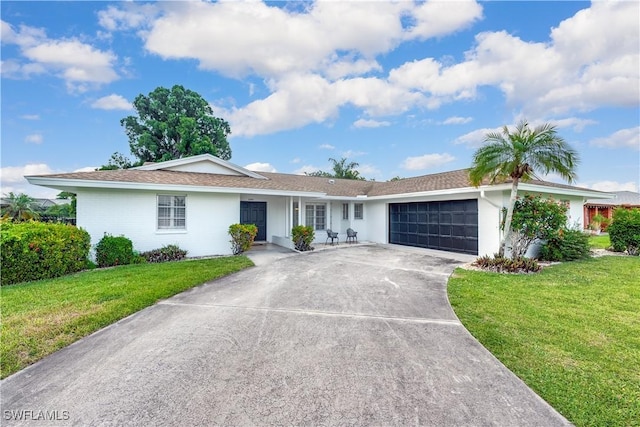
[507, 221]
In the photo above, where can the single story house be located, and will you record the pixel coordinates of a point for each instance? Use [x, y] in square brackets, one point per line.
[192, 201]
[605, 207]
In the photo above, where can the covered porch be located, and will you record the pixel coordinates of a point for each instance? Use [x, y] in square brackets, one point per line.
[281, 213]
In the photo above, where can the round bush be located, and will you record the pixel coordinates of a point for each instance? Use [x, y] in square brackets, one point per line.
[114, 250]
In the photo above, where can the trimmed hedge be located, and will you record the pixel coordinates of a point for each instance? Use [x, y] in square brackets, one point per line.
[114, 250]
[624, 231]
[36, 250]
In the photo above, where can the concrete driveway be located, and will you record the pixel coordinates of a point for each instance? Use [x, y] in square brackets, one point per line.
[354, 336]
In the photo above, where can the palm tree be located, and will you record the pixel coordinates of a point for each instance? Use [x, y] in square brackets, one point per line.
[20, 208]
[518, 156]
[342, 169]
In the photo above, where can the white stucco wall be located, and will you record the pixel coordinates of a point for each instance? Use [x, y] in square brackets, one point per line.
[133, 214]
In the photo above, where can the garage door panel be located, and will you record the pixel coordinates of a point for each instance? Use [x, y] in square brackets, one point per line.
[445, 225]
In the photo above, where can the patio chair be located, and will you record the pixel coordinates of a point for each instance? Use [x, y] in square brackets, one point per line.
[332, 235]
[352, 235]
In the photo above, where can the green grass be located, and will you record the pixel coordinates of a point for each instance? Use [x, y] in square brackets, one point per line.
[571, 332]
[41, 317]
[599, 242]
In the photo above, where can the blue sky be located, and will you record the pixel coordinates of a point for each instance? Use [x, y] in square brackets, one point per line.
[402, 88]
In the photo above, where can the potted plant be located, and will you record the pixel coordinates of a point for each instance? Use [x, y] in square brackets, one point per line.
[596, 223]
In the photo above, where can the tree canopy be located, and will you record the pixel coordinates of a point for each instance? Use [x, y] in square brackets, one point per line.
[517, 156]
[341, 169]
[172, 124]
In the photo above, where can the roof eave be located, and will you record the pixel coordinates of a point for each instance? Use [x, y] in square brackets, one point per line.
[66, 183]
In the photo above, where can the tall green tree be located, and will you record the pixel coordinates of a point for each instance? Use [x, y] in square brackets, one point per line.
[20, 208]
[341, 169]
[172, 124]
[517, 156]
[117, 161]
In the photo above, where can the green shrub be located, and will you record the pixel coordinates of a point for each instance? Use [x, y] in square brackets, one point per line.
[302, 237]
[534, 218]
[500, 264]
[624, 231]
[567, 245]
[242, 236]
[164, 254]
[114, 250]
[36, 250]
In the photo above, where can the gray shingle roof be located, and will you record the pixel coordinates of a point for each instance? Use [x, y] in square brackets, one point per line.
[288, 182]
[623, 198]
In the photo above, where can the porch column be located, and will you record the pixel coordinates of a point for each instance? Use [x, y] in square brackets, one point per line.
[289, 218]
[300, 210]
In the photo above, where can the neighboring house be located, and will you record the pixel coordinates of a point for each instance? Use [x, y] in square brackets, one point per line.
[192, 201]
[605, 207]
[39, 204]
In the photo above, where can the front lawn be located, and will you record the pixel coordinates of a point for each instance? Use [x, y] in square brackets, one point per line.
[600, 241]
[571, 332]
[41, 317]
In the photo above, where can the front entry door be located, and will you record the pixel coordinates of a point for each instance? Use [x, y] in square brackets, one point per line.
[255, 213]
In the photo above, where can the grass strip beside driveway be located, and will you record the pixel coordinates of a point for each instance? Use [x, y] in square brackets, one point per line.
[39, 318]
[571, 332]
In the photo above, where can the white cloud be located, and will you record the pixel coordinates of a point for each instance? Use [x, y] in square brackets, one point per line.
[34, 138]
[131, 16]
[368, 171]
[363, 123]
[455, 120]
[623, 138]
[282, 41]
[87, 169]
[12, 180]
[572, 71]
[260, 167]
[112, 102]
[614, 186]
[326, 147]
[575, 123]
[437, 18]
[296, 160]
[80, 65]
[352, 153]
[475, 139]
[306, 169]
[30, 117]
[426, 161]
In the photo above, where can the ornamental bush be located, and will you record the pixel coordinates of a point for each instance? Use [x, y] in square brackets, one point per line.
[302, 237]
[242, 236]
[164, 254]
[567, 245]
[624, 231]
[501, 264]
[35, 250]
[535, 218]
[115, 250]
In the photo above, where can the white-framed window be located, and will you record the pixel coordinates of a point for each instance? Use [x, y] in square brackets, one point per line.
[358, 211]
[345, 211]
[316, 216]
[172, 212]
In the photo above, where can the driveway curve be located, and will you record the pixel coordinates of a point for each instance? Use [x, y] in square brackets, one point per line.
[355, 336]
